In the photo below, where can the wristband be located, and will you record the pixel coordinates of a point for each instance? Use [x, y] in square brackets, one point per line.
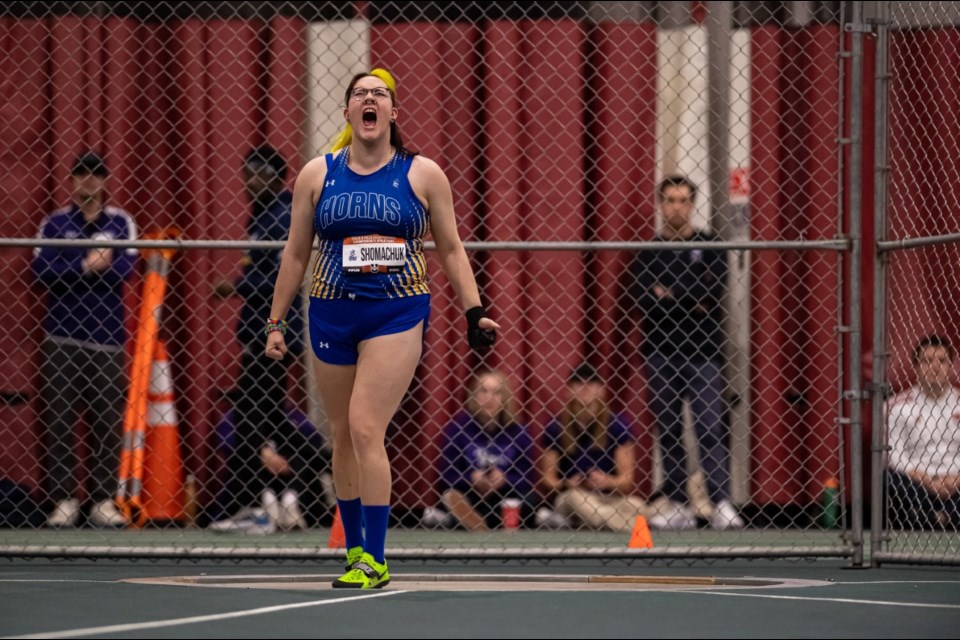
[479, 339]
[274, 325]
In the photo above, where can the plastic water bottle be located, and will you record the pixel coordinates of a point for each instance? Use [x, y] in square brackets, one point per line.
[190, 501]
[829, 500]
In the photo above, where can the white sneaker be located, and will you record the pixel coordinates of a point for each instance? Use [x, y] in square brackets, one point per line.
[550, 519]
[106, 514]
[725, 516]
[66, 514]
[436, 518]
[271, 504]
[673, 516]
[254, 522]
[290, 516]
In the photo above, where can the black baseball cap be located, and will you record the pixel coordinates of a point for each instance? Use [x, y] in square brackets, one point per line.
[585, 373]
[89, 163]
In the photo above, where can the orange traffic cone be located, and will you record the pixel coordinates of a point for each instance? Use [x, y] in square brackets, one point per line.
[130, 474]
[640, 538]
[338, 539]
[163, 468]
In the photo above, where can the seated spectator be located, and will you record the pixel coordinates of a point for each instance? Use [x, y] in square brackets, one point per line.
[923, 422]
[588, 460]
[486, 456]
[303, 502]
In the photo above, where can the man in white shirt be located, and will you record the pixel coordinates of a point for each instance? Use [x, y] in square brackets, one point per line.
[923, 475]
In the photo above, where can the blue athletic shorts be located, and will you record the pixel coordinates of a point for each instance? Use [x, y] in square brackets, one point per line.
[338, 326]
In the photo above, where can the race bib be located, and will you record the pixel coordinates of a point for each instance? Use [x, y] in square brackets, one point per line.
[374, 254]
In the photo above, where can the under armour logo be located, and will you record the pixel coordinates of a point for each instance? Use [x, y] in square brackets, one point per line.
[330, 183]
[396, 184]
[323, 345]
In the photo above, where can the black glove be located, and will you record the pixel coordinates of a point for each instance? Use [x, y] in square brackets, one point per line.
[480, 339]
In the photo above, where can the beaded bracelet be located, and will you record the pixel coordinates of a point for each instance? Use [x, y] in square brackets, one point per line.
[274, 325]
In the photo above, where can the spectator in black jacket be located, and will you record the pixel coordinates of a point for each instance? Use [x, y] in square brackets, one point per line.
[267, 460]
[679, 293]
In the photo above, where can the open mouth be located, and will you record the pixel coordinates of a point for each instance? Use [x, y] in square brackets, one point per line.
[369, 117]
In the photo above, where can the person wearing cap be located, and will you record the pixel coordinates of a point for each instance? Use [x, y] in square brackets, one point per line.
[83, 345]
[269, 454]
[486, 456]
[370, 202]
[679, 294]
[588, 458]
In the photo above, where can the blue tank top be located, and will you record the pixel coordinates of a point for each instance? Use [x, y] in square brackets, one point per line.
[371, 231]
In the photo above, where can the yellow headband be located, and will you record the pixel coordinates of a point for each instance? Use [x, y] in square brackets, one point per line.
[384, 75]
[343, 138]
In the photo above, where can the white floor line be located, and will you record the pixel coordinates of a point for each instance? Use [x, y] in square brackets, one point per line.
[2, 580]
[956, 582]
[885, 603]
[159, 624]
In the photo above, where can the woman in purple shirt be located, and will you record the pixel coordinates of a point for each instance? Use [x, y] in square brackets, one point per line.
[486, 456]
[588, 458]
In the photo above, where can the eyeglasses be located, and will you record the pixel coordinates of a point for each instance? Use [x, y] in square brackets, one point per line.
[379, 93]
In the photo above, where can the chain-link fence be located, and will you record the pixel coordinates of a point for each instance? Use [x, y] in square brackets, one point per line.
[915, 339]
[688, 353]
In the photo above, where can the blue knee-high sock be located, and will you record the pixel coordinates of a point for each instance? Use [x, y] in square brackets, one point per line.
[351, 515]
[376, 519]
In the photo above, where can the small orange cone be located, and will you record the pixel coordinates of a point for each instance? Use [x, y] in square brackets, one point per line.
[338, 539]
[640, 538]
[163, 477]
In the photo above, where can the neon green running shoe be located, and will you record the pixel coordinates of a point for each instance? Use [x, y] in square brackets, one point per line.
[366, 573]
[353, 557]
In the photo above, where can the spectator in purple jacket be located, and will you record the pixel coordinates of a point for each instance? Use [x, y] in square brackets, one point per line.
[83, 346]
[486, 456]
